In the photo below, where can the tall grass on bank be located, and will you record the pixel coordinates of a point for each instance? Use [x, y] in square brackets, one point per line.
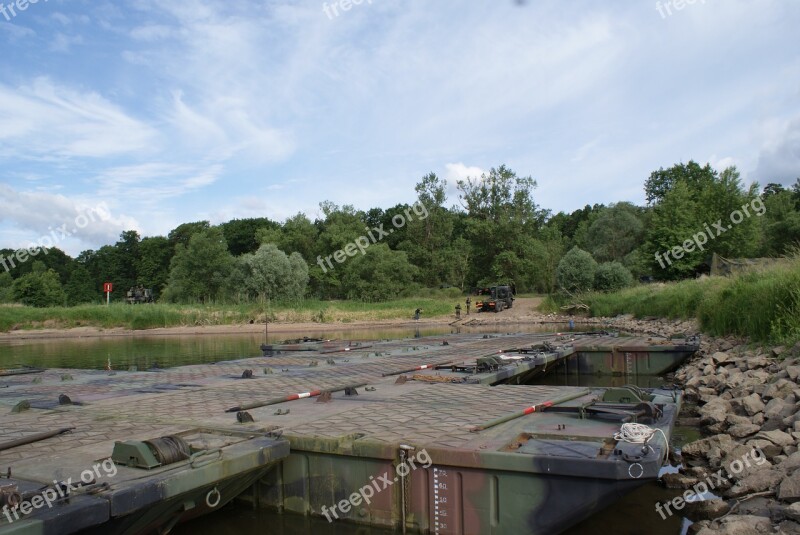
[138, 317]
[763, 304]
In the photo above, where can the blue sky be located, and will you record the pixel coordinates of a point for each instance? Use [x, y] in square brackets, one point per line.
[178, 111]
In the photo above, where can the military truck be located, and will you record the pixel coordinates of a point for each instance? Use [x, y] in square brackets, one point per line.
[496, 299]
[138, 294]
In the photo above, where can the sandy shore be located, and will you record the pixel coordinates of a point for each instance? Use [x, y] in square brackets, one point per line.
[523, 312]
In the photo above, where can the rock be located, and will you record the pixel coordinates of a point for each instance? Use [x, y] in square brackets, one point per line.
[777, 437]
[714, 412]
[679, 481]
[781, 388]
[752, 404]
[761, 506]
[773, 424]
[788, 527]
[707, 450]
[757, 482]
[778, 351]
[706, 509]
[792, 511]
[791, 463]
[735, 419]
[744, 461]
[789, 488]
[720, 357]
[778, 408]
[760, 361]
[740, 525]
[766, 447]
[743, 430]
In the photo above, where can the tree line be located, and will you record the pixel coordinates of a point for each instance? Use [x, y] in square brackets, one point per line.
[493, 232]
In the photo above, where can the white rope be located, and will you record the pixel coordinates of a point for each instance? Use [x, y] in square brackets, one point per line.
[640, 434]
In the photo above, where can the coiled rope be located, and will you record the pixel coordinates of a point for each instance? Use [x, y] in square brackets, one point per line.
[641, 434]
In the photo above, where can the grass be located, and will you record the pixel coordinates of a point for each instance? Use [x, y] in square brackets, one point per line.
[763, 304]
[139, 317]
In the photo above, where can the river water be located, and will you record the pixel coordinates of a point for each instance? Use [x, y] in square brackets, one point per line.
[633, 515]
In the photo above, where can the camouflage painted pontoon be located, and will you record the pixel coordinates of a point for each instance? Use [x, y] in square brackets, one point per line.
[309, 432]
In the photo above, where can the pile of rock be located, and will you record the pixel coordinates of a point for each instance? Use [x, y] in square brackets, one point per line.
[747, 400]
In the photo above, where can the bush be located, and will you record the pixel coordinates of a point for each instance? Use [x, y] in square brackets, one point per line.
[612, 276]
[575, 272]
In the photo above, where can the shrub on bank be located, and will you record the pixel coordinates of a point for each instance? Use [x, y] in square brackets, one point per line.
[612, 277]
[762, 304]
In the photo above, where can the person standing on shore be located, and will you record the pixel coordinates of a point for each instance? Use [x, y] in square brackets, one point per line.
[469, 302]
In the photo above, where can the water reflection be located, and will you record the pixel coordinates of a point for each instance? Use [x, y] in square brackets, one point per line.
[144, 351]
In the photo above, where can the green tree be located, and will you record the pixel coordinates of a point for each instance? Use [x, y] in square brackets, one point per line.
[270, 274]
[575, 272]
[298, 234]
[127, 259]
[241, 234]
[616, 232]
[6, 287]
[501, 208]
[342, 226]
[674, 220]
[379, 275]
[664, 180]
[543, 259]
[181, 234]
[781, 223]
[612, 276]
[695, 204]
[80, 287]
[104, 265]
[430, 235]
[152, 269]
[200, 270]
[39, 288]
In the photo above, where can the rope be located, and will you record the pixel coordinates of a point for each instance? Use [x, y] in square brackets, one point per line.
[169, 449]
[641, 434]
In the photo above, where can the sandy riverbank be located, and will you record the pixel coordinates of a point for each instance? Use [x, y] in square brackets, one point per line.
[523, 312]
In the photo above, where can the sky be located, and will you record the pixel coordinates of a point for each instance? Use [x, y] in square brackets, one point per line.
[154, 114]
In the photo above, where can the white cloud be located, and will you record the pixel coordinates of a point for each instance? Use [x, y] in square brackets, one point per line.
[459, 171]
[779, 158]
[35, 214]
[43, 120]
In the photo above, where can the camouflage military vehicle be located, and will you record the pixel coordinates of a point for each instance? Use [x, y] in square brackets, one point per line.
[138, 294]
[497, 298]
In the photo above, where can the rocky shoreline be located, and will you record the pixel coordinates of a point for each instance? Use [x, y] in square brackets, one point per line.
[745, 398]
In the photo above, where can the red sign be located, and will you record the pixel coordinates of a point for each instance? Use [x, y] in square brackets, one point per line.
[108, 287]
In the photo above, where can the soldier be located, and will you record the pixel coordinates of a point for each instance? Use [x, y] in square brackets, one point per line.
[469, 302]
[458, 311]
[416, 314]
